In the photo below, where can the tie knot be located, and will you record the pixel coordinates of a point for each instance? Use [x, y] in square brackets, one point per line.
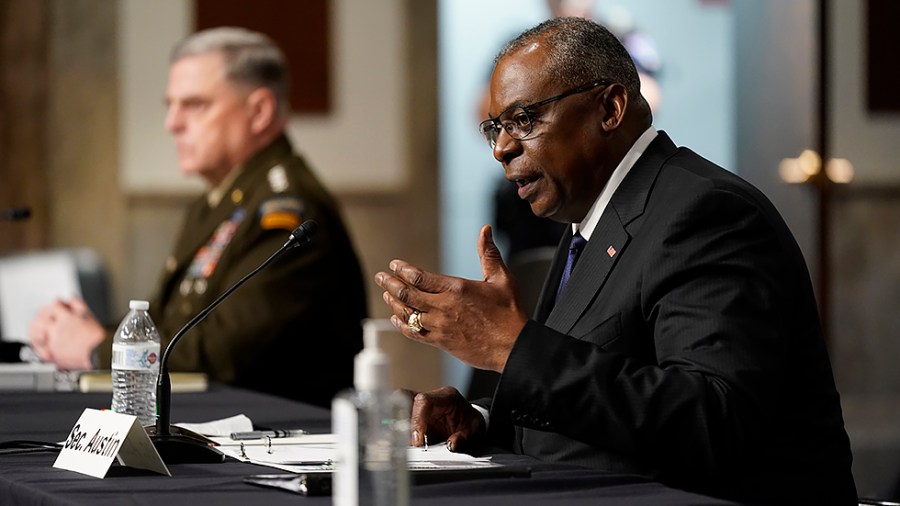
[577, 244]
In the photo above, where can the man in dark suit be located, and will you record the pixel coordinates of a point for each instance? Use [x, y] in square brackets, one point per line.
[685, 344]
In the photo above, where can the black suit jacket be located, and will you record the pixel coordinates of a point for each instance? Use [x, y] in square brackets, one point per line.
[686, 346]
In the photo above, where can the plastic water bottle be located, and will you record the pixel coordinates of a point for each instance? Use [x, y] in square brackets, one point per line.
[135, 364]
[372, 426]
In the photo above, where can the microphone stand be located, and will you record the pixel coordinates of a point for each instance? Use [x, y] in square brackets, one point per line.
[183, 446]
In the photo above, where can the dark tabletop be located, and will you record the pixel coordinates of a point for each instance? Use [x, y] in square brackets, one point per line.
[30, 479]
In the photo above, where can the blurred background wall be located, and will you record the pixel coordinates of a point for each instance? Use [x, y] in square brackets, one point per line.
[83, 142]
[749, 83]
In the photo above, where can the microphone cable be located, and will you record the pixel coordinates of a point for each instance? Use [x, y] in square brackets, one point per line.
[18, 446]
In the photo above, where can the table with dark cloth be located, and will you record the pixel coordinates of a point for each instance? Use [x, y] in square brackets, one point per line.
[30, 479]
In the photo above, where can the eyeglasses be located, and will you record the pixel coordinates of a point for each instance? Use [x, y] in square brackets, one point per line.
[517, 121]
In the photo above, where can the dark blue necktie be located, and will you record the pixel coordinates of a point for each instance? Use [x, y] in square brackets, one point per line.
[575, 248]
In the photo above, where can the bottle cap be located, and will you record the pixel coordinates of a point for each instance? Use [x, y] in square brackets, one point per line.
[372, 366]
[139, 305]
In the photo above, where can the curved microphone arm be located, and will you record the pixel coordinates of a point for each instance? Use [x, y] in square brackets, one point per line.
[163, 382]
[300, 235]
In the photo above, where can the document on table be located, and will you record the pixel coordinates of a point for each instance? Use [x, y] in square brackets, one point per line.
[319, 457]
[222, 427]
[309, 453]
[304, 439]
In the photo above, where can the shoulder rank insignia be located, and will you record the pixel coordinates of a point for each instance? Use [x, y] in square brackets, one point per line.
[278, 179]
[281, 212]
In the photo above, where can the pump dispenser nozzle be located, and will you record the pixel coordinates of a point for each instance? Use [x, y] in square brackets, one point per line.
[372, 366]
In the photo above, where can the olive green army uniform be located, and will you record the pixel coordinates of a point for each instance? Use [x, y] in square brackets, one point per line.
[294, 328]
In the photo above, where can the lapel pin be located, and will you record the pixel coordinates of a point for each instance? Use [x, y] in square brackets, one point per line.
[610, 251]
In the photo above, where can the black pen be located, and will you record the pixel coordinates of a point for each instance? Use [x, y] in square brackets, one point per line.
[259, 434]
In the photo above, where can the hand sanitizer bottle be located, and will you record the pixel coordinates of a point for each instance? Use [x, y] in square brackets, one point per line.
[372, 426]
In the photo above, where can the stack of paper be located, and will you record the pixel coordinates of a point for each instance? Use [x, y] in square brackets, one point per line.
[317, 452]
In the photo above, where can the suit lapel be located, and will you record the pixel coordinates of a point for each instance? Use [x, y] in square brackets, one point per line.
[606, 246]
[608, 243]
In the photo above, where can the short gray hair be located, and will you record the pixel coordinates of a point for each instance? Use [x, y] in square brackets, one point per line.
[580, 51]
[250, 58]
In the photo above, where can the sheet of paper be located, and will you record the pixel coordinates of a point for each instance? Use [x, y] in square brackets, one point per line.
[313, 457]
[28, 376]
[29, 282]
[307, 454]
[440, 453]
[314, 439]
[223, 427]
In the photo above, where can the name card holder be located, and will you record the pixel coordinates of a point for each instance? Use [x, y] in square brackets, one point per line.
[98, 437]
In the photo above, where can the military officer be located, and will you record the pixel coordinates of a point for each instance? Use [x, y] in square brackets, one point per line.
[282, 332]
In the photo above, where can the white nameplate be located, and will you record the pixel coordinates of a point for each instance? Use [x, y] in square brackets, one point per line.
[100, 436]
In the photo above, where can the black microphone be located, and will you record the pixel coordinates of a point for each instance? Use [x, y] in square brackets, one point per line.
[15, 214]
[186, 447]
[10, 351]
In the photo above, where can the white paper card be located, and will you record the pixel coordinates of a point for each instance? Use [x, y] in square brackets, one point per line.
[222, 427]
[100, 436]
[27, 283]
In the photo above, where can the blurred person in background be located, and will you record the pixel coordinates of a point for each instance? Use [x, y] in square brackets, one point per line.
[294, 328]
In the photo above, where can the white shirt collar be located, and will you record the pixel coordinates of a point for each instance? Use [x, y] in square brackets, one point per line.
[589, 223]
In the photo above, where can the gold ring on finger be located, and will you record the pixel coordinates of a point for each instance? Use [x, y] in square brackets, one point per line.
[415, 321]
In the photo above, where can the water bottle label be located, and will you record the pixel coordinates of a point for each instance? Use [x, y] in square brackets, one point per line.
[135, 357]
